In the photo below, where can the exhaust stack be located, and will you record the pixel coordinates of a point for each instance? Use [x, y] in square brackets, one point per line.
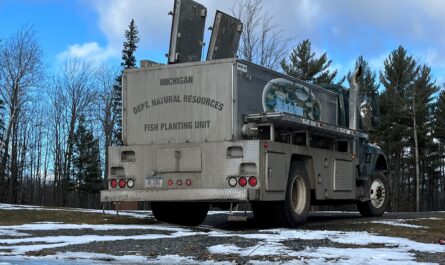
[354, 99]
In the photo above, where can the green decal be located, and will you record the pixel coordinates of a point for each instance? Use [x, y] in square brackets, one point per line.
[282, 95]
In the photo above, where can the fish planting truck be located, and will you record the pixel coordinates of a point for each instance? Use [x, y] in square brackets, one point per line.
[226, 131]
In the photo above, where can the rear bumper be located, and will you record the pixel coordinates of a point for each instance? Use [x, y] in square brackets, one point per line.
[210, 195]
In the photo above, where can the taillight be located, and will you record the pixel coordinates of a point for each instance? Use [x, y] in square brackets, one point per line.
[122, 183]
[242, 181]
[179, 182]
[253, 181]
[113, 183]
[170, 182]
[188, 182]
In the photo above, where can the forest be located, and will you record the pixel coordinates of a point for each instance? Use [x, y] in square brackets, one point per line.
[55, 126]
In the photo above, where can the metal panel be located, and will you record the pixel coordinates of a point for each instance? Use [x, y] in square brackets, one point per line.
[228, 194]
[178, 160]
[226, 33]
[179, 103]
[186, 39]
[277, 164]
[343, 175]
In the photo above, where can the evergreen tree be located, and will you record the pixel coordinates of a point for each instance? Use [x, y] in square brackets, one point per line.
[398, 77]
[305, 66]
[128, 61]
[439, 125]
[86, 161]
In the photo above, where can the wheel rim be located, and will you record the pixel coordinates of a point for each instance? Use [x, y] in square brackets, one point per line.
[377, 193]
[299, 195]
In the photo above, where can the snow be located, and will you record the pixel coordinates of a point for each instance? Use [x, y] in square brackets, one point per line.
[19, 246]
[395, 251]
[17, 240]
[134, 214]
[398, 222]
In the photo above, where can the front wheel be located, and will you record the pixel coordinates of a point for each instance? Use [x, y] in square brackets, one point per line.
[379, 197]
[181, 213]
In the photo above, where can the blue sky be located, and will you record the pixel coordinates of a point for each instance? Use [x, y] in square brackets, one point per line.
[344, 29]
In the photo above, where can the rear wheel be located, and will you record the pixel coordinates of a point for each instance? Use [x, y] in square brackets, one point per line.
[291, 212]
[182, 213]
[298, 196]
[379, 197]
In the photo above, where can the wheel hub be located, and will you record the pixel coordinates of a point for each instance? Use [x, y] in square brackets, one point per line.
[298, 195]
[377, 193]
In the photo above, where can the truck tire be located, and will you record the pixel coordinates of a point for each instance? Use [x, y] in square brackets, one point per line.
[298, 196]
[293, 211]
[181, 213]
[379, 197]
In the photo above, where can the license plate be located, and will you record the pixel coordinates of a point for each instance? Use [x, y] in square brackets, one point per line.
[153, 182]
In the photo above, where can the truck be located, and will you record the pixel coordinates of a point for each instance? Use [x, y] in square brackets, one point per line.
[226, 131]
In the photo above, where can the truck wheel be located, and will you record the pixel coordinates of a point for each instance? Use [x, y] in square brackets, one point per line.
[298, 196]
[379, 197]
[181, 213]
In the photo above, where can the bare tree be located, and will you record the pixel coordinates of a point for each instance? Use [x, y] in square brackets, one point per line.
[105, 79]
[262, 42]
[72, 96]
[21, 70]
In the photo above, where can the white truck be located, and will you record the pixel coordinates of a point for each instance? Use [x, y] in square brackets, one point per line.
[227, 131]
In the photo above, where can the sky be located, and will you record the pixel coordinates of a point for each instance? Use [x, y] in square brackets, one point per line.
[344, 29]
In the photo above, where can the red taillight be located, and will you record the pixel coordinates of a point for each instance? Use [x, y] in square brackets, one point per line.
[113, 183]
[253, 181]
[122, 183]
[179, 182]
[266, 144]
[242, 181]
[170, 182]
[188, 182]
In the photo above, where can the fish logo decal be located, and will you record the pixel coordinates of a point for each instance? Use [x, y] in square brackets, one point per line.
[282, 95]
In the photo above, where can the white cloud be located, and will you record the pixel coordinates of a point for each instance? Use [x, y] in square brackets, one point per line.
[343, 28]
[90, 51]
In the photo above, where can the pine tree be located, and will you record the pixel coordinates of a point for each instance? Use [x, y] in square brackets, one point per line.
[398, 77]
[128, 61]
[439, 126]
[305, 66]
[86, 161]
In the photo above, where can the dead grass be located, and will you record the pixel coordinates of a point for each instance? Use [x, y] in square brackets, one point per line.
[18, 217]
[433, 231]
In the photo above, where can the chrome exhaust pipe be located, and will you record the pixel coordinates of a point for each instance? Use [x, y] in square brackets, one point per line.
[354, 99]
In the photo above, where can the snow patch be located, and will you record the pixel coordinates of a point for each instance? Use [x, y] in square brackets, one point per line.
[398, 222]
